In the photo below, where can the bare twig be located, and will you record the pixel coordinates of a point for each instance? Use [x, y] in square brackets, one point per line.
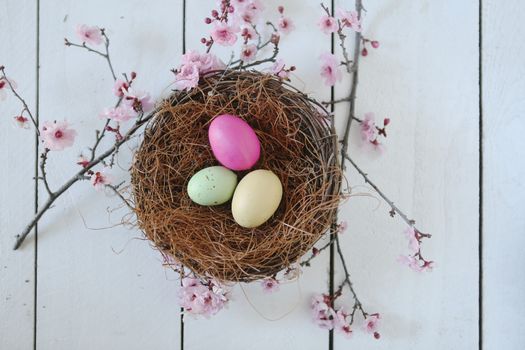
[43, 176]
[17, 95]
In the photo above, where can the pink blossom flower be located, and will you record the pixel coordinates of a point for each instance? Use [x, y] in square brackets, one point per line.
[328, 24]
[119, 87]
[119, 114]
[413, 242]
[251, 12]
[248, 52]
[21, 121]
[371, 324]
[343, 225]
[342, 322]
[322, 313]
[349, 19]
[410, 261]
[138, 100]
[224, 34]
[285, 25]
[368, 128]
[4, 86]
[100, 179]
[278, 69]
[91, 35]
[205, 62]
[270, 285]
[248, 33]
[199, 299]
[187, 77]
[57, 136]
[330, 69]
[82, 161]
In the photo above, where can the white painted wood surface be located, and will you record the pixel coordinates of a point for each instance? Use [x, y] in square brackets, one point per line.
[107, 289]
[17, 278]
[503, 174]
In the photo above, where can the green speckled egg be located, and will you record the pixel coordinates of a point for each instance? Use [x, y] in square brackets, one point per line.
[212, 186]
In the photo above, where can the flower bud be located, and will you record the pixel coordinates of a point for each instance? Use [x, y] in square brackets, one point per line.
[375, 44]
[364, 52]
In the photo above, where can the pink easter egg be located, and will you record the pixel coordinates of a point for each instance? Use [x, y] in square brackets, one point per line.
[233, 142]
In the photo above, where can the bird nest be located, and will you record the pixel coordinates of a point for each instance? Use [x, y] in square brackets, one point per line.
[298, 144]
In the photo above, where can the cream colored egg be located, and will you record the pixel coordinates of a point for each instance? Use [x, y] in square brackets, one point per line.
[256, 198]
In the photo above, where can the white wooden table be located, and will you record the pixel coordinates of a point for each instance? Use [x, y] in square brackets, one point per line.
[447, 73]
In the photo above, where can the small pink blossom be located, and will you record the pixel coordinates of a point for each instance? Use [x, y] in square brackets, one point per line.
[4, 86]
[224, 34]
[200, 299]
[278, 69]
[187, 77]
[57, 136]
[330, 69]
[100, 179]
[251, 11]
[270, 285]
[248, 33]
[342, 322]
[119, 87]
[350, 19]
[119, 114]
[371, 324]
[322, 313]
[82, 161]
[328, 24]
[343, 225]
[248, 52]
[138, 100]
[410, 261]
[91, 35]
[285, 25]
[413, 242]
[21, 121]
[368, 128]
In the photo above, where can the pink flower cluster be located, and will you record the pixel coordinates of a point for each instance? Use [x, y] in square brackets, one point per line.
[285, 24]
[329, 24]
[200, 298]
[370, 132]
[326, 317]
[193, 65]
[414, 260]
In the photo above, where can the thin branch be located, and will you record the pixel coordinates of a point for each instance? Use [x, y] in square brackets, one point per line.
[26, 107]
[317, 252]
[43, 177]
[80, 175]
[410, 222]
[353, 88]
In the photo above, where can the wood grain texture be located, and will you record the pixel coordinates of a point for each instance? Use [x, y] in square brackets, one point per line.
[101, 285]
[249, 322]
[17, 196]
[424, 77]
[503, 99]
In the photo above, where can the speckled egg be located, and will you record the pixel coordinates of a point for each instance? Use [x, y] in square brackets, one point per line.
[234, 142]
[212, 186]
[256, 198]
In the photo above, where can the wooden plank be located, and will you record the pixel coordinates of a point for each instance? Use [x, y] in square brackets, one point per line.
[503, 55]
[424, 77]
[243, 324]
[17, 196]
[102, 288]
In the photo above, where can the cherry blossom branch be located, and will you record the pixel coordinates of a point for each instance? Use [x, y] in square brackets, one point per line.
[317, 251]
[353, 88]
[103, 54]
[80, 175]
[274, 39]
[394, 208]
[17, 95]
[43, 177]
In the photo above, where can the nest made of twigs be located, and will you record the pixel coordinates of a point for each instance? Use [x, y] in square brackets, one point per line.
[298, 144]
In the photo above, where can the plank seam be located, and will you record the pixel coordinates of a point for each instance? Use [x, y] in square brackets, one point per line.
[183, 51]
[480, 136]
[36, 172]
[332, 250]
